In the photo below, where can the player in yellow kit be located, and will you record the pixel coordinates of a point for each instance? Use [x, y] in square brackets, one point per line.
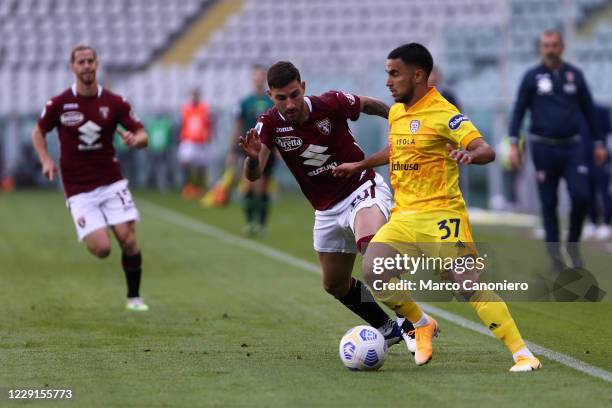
[428, 138]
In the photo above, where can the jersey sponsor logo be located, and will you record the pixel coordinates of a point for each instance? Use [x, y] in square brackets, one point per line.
[68, 106]
[404, 166]
[90, 133]
[415, 125]
[350, 98]
[314, 155]
[104, 111]
[456, 121]
[324, 126]
[322, 169]
[284, 129]
[404, 141]
[288, 143]
[71, 118]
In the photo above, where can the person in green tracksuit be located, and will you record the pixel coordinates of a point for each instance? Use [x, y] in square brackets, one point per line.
[257, 197]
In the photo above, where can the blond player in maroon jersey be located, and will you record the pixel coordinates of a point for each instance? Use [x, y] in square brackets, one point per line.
[86, 117]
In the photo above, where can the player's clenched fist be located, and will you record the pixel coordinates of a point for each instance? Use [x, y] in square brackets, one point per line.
[49, 169]
[346, 169]
[251, 143]
[460, 156]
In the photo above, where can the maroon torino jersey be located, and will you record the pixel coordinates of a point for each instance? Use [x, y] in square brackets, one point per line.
[313, 149]
[86, 126]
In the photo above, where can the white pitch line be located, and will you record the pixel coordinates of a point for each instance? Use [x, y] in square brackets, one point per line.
[192, 224]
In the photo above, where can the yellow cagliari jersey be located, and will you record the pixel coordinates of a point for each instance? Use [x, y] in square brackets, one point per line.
[423, 175]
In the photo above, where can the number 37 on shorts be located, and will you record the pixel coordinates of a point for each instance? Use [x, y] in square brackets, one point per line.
[431, 226]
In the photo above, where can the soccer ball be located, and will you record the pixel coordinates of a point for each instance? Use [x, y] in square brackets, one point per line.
[363, 348]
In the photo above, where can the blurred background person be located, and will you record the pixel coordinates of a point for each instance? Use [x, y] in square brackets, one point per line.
[193, 147]
[600, 202]
[436, 79]
[256, 201]
[160, 130]
[557, 95]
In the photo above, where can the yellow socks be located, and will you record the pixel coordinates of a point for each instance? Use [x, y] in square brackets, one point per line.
[494, 313]
[402, 303]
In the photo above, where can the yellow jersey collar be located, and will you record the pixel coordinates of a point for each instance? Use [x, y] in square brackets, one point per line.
[431, 94]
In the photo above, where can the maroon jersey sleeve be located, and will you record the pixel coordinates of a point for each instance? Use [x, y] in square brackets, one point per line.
[49, 118]
[265, 130]
[346, 105]
[127, 117]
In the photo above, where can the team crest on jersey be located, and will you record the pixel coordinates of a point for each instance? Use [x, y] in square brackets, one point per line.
[81, 222]
[104, 111]
[544, 84]
[324, 126]
[415, 125]
[288, 143]
[71, 118]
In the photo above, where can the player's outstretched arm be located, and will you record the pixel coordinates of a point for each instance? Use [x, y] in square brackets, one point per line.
[377, 159]
[136, 140]
[477, 152]
[372, 106]
[49, 169]
[257, 155]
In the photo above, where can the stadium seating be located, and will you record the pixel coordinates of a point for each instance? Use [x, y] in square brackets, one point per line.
[127, 33]
[482, 46]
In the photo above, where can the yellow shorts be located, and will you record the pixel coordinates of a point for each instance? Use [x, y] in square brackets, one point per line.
[433, 233]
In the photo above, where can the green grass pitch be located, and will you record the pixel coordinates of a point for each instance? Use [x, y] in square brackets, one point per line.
[231, 327]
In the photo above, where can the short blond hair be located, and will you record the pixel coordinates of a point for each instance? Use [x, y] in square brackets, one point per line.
[82, 47]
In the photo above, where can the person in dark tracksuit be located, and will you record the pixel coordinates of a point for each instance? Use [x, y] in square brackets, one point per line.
[600, 181]
[557, 96]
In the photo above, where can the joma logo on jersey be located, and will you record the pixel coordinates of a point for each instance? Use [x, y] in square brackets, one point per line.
[90, 133]
[288, 143]
[284, 129]
[314, 155]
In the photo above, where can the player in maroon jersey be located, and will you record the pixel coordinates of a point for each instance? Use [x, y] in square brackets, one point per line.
[86, 117]
[312, 136]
